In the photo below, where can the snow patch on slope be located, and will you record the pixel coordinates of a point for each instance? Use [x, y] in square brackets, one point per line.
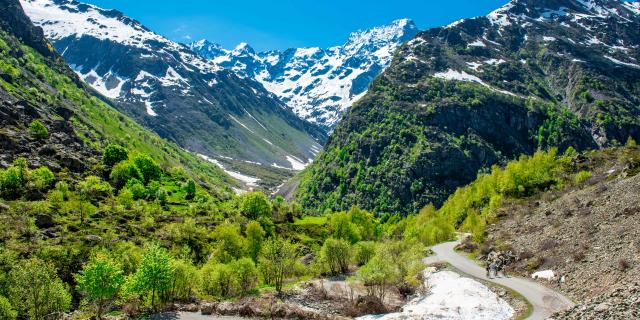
[463, 76]
[249, 181]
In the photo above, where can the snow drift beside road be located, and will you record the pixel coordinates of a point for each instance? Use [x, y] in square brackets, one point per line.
[452, 297]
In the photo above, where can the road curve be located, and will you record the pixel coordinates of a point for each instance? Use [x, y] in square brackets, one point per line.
[545, 302]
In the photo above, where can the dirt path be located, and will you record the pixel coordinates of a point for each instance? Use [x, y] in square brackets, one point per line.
[545, 301]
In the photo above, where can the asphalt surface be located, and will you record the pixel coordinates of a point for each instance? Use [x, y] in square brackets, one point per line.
[545, 301]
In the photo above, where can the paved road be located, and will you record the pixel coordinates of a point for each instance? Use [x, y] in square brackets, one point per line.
[545, 301]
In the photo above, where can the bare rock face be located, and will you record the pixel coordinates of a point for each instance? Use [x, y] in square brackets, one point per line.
[623, 303]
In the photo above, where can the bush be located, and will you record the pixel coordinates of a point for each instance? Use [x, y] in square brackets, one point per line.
[154, 275]
[149, 169]
[6, 310]
[276, 261]
[246, 275]
[37, 130]
[229, 242]
[11, 183]
[582, 176]
[187, 280]
[363, 252]
[92, 188]
[255, 237]
[190, 189]
[41, 179]
[336, 254]
[36, 291]
[254, 205]
[137, 189]
[341, 227]
[123, 172]
[100, 281]
[114, 154]
[125, 198]
[218, 280]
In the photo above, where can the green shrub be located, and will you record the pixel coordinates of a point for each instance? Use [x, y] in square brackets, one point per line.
[11, 183]
[186, 280]
[254, 205]
[36, 291]
[92, 188]
[149, 169]
[190, 189]
[582, 176]
[100, 281]
[341, 227]
[41, 179]
[137, 189]
[37, 130]
[114, 154]
[218, 280]
[153, 276]
[276, 262]
[336, 254]
[125, 198]
[123, 172]
[255, 237]
[245, 274]
[230, 244]
[363, 252]
[6, 310]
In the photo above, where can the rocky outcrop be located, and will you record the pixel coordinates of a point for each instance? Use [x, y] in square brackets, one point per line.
[622, 303]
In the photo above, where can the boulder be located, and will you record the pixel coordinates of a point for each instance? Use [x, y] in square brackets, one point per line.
[92, 238]
[44, 221]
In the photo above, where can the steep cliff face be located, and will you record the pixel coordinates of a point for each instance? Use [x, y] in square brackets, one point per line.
[318, 84]
[171, 90]
[463, 97]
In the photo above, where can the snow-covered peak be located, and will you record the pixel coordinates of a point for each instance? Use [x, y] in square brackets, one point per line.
[242, 49]
[398, 31]
[318, 84]
[67, 18]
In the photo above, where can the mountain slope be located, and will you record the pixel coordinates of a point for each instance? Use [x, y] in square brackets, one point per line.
[461, 98]
[168, 88]
[36, 83]
[318, 84]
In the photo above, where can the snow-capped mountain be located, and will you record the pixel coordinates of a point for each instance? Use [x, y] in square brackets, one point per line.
[174, 91]
[318, 84]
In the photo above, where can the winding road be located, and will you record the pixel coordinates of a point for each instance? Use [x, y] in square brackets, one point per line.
[545, 301]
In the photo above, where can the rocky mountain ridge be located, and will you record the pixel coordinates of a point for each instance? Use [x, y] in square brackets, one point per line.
[318, 84]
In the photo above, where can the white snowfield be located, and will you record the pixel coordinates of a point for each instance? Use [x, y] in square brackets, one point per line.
[452, 297]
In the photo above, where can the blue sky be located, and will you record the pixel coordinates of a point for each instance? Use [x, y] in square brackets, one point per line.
[280, 24]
